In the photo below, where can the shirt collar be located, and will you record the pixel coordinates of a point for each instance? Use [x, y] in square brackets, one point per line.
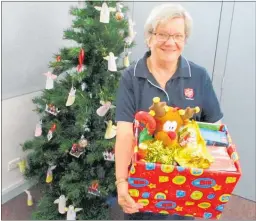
[141, 68]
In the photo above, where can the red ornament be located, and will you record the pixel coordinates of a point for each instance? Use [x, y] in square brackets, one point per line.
[81, 60]
[58, 58]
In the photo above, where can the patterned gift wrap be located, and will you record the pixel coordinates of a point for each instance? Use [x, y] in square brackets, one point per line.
[183, 191]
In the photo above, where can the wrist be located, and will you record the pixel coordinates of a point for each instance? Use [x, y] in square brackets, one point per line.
[121, 180]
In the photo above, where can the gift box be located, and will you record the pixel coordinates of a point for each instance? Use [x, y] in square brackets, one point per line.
[185, 191]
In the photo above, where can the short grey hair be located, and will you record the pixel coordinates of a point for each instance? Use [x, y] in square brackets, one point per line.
[164, 12]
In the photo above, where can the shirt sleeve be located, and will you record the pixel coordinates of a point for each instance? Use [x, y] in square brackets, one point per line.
[125, 102]
[211, 111]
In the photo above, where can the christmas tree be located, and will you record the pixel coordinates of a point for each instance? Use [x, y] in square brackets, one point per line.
[71, 155]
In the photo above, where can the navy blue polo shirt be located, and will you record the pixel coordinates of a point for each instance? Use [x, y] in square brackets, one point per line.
[190, 86]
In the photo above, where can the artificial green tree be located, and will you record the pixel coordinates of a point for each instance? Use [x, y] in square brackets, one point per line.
[76, 109]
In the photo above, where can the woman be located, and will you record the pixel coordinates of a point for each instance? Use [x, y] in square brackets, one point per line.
[162, 72]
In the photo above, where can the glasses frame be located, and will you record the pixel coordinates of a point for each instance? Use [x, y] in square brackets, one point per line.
[157, 34]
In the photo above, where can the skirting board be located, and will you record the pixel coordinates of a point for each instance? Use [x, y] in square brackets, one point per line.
[16, 189]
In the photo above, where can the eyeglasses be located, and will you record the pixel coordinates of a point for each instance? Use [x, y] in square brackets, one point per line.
[162, 37]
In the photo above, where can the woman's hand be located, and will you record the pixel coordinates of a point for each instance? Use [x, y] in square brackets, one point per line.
[125, 200]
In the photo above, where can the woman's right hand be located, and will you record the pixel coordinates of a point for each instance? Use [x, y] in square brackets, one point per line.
[125, 200]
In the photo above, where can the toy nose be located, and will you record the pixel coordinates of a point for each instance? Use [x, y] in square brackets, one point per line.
[172, 135]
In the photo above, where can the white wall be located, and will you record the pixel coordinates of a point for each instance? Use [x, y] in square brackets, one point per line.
[18, 123]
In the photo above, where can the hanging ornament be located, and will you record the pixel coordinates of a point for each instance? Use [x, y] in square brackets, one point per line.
[38, 131]
[83, 142]
[104, 12]
[50, 132]
[111, 130]
[71, 212]
[78, 149]
[84, 86]
[80, 67]
[49, 176]
[22, 165]
[71, 96]
[119, 15]
[109, 155]
[93, 189]
[111, 61]
[61, 201]
[58, 58]
[29, 199]
[49, 81]
[106, 105]
[126, 58]
[50, 108]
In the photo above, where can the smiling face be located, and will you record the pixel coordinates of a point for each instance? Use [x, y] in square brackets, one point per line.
[168, 50]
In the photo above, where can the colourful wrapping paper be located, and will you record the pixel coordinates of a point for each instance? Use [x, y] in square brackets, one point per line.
[184, 191]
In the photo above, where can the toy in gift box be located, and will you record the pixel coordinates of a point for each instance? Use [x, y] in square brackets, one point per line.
[173, 171]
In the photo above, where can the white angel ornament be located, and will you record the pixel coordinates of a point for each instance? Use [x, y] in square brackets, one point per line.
[101, 111]
[71, 212]
[61, 201]
[104, 12]
[49, 81]
[111, 61]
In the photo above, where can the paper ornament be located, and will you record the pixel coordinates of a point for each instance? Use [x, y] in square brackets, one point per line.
[29, 199]
[38, 130]
[80, 67]
[104, 12]
[93, 189]
[50, 108]
[111, 130]
[126, 59]
[71, 212]
[71, 96]
[111, 61]
[49, 81]
[83, 142]
[106, 105]
[61, 201]
[50, 132]
[109, 155]
[49, 176]
[22, 165]
[76, 150]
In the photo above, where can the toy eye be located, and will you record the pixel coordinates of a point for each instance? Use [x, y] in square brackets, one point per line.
[170, 126]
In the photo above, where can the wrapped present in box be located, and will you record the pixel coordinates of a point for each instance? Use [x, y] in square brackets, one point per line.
[214, 134]
[188, 177]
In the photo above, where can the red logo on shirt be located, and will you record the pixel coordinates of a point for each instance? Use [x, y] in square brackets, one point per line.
[189, 93]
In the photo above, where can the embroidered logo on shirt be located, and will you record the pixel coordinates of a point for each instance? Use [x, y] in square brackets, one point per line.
[189, 93]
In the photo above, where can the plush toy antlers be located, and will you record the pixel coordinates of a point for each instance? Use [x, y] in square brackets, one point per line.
[159, 109]
[188, 113]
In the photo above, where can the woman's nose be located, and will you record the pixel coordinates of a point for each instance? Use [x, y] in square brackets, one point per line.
[170, 41]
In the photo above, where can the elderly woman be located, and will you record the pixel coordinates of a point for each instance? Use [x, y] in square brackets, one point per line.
[162, 72]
